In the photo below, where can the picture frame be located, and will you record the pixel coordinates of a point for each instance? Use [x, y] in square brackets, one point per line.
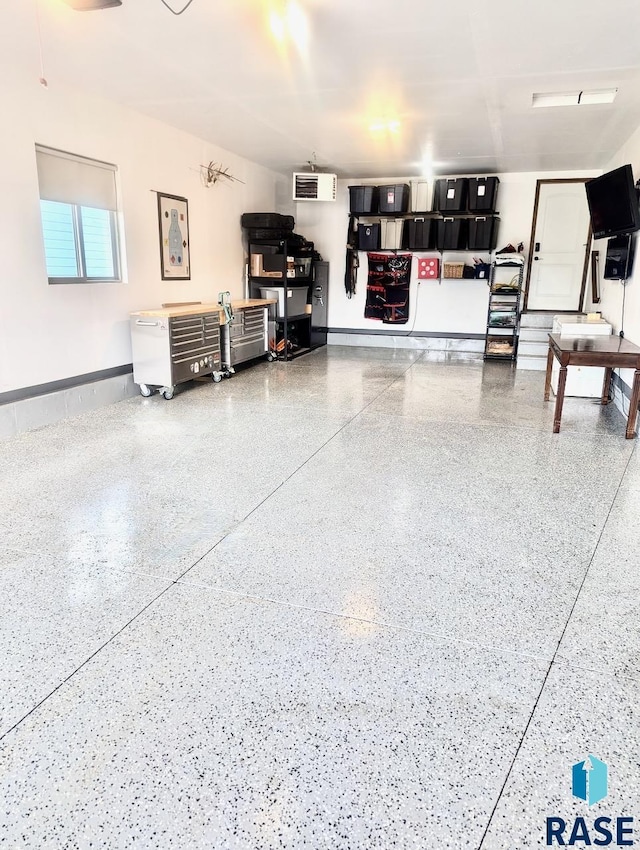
[173, 224]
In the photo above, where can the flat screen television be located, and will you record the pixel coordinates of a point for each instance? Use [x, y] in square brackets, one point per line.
[613, 203]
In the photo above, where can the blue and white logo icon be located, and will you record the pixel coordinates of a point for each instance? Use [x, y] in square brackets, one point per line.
[590, 780]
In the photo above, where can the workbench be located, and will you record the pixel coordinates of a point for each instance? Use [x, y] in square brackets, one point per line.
[179, 342]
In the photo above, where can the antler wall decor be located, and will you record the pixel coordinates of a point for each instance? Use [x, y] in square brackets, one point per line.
[213, 172]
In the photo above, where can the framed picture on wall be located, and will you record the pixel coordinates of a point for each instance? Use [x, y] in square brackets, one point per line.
[173, 220]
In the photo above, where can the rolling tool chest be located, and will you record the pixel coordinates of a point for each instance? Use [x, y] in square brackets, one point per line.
[174, 345]
[246, 336]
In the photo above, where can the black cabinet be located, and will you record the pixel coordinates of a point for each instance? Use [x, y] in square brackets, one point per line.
[320, 303]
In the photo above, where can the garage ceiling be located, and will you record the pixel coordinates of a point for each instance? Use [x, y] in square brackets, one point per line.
[377, 87]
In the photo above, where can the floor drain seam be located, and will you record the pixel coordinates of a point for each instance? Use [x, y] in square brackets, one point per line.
[555, 654]
[294, 472]
[106, 643]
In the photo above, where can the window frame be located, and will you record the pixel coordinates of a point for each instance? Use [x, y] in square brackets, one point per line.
[78, 229]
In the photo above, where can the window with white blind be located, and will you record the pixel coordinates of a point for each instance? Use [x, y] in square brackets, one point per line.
[79, 206]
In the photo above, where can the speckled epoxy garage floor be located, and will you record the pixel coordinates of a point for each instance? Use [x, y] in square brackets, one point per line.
[363, 600]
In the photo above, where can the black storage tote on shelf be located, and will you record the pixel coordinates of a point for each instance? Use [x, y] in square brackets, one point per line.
[482, 271]
[483, 193]
[417, 234]
[257, 233]
[363, 200]
[270, 221]
[450, 194]
[452, 234]
[483, 233]
[369, 237]
[394, 199]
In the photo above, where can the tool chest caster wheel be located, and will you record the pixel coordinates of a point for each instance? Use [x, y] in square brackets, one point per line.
[216, 377]
[168, 393]
[271, 357]
[145, 390]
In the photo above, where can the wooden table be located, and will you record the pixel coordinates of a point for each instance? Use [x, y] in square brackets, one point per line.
[611, 352]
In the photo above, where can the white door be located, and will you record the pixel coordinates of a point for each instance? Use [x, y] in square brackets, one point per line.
[560, 245]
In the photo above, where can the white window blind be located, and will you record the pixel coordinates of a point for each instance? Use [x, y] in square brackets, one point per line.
[79, 205]
[70, 179]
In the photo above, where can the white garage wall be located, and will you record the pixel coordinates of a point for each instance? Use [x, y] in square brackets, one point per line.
[52, 332]
[448, 307]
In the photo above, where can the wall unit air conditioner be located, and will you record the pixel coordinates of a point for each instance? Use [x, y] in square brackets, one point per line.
[309, 186]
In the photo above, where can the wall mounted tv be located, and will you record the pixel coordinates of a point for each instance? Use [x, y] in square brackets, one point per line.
[613, 203]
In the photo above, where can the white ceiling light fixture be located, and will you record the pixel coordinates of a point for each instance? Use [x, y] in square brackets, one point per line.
[92, 5]
[290, 23]
[577, 98]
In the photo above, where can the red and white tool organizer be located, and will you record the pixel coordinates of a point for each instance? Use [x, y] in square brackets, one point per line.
[428, 268]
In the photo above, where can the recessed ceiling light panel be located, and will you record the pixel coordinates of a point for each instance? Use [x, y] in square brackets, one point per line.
[541, 99]
[576, 98]
[602, 96]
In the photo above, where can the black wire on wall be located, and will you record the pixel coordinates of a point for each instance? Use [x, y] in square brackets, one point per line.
[173, 11]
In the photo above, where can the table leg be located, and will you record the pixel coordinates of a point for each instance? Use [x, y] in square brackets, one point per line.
[633, 405]
[557, 416]
[547, 383]
[606, 386]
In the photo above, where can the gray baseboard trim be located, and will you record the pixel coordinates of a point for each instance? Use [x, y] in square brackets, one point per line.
[435, 345]
[64, 384]
[620, 393]
[46, 407]
[398, 332]
[623, 386]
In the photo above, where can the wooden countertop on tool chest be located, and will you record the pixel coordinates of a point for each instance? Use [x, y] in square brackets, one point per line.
[196, 309]
[252, 302]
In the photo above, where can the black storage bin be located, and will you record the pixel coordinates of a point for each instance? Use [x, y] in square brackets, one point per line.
[482, 271]
[369, 237]
[483, 193]
[363, 200]
[270, 221]
[257, 233]
[452, 234]
[417, 234]
[451, 194]
[394, 199]
[483, 233]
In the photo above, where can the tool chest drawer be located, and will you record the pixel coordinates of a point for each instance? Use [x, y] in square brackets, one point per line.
[194, 344]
